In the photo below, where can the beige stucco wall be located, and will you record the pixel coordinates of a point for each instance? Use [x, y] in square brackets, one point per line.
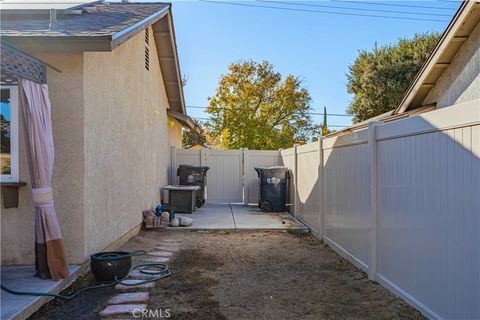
[17, 224]
[127, 140]
[112, 150]
[175, 133]
[461, 80]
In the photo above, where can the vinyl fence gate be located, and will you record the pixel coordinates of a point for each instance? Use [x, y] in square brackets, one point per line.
[231, 177]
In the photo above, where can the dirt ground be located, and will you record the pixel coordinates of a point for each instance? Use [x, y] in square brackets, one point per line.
[250, 276]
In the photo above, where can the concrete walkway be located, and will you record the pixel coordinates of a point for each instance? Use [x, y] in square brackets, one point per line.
[240, 217]
[21, 278]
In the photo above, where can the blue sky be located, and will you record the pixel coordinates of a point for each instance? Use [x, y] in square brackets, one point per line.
[315, 47]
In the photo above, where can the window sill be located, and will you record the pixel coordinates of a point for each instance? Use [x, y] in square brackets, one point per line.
[10, 193]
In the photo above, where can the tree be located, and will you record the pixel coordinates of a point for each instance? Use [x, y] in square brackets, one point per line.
[255, 108]
[192, 137]
[379, 78]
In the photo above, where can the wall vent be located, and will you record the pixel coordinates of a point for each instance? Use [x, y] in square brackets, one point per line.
[147, 51]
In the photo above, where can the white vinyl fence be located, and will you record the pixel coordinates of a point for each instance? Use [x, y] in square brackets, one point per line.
[231, 177]
[400, 200]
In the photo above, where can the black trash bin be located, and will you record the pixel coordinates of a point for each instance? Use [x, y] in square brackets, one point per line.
[194, 176]
[273, 188]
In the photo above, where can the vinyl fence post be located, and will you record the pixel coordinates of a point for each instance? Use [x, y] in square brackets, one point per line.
[203, 157]
[173, 165]
[320, 189]
[372, 146]
[295, 180]
[245, 175]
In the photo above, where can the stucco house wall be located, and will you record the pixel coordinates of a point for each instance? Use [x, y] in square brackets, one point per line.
[126, 139]
[461, 81]
[17, 224]
[175, 133]
[112, 150]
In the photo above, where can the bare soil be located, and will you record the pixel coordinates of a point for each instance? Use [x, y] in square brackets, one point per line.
[259, 275]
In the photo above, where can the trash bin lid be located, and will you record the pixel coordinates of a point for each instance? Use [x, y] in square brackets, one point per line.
[258, 169]
[181, 188]
[194, 167]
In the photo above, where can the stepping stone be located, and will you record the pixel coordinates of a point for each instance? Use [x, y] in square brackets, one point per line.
[138, 274]
[129, 282]
[169, 248]
[157, 260]
[161, 253]
[172, 241]
[129, 297]
[121, 309]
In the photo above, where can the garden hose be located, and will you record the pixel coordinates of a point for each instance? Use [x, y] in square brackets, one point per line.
[157, 270]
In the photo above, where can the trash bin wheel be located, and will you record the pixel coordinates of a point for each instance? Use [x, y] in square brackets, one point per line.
[266, 206]
[199, 203]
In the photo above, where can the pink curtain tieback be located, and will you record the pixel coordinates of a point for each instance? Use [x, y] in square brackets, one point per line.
[42, 197]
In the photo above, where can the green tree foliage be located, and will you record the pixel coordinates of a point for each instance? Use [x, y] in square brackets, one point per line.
[192, 137]
[379, 78]
[255, 108]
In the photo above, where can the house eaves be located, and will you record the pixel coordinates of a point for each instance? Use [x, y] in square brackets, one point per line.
[184, 120]
[456, 33]
[101, 27]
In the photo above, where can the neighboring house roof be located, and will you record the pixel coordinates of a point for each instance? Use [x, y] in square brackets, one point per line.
[185, 120]
[98, 26]
[457, 32]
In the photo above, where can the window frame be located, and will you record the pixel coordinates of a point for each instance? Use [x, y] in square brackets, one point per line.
[14, 170]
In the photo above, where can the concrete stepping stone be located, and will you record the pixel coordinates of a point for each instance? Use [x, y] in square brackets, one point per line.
[161, 253]
[129, 282]
[118, 309]
[167, 248]
[157, 260]
[138, 274]
[168, 240]
[129, 297]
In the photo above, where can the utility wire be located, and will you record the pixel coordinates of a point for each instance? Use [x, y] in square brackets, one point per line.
[311, 113]
[318, 11]
[393, 5]
[351, 8]
[329, 125]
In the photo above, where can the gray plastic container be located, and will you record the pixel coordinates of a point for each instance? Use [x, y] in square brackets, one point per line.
[182, 198]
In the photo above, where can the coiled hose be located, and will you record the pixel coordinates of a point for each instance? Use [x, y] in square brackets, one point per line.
[156, 270]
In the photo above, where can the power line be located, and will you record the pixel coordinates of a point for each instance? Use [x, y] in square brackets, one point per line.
[351, 8]
[319, 11]
[310, 113]
[392, 4]
[329, 114]
[330, 125]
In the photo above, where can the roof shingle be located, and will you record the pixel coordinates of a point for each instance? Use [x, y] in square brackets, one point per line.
[105, 19]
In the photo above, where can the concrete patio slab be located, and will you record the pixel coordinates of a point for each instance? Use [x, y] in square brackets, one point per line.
[241, 218]
[21, 278]
[210, 216]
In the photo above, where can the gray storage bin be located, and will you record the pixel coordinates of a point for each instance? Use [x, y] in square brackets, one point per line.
[182, 198]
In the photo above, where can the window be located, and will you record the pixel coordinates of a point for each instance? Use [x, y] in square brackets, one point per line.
[9, 134]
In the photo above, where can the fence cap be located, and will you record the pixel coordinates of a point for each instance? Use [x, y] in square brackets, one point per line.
[182, 188]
